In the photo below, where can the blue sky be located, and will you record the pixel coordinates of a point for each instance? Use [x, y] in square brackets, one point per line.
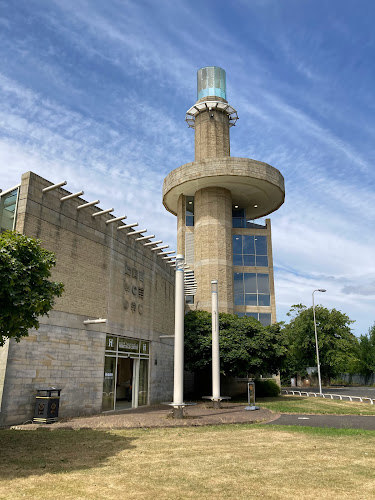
[95, 93]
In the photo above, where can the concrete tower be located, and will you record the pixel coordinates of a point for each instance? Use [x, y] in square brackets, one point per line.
[219, 200]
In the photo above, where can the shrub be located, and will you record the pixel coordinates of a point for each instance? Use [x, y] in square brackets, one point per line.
[266, 388]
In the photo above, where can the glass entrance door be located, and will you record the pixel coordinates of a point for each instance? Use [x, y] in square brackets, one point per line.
[126, 373]
[124, 383]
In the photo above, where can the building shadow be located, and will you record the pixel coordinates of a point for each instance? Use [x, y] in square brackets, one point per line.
[39, 452]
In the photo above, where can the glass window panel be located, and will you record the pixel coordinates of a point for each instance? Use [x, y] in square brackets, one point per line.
[250, 283]
[190, 204]
[248, 245]
[238, 283]
[109, 383]
[143, 382]
[238, 212]
[261, 245]
[8, 210]
[263, 283]
[237, 260]
[263, 300]
[252, 315]
[262, 260]
[249, 260]
[238, 222]
[237, 244]
[240, 315]
[189, 299]
[265, 318]
[239, 299]
[111, 343]
[189, 220]
[250, 299]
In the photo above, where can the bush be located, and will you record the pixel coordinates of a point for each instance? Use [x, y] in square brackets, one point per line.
[266, 388]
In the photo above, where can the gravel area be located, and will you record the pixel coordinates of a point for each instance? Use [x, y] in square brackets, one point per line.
[161, 416]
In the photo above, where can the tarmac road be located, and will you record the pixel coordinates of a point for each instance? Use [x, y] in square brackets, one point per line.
[333, 421]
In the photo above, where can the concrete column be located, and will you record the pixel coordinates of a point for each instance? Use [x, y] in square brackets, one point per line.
[215, 346]
[212, 133]
[178, 385]
[213, 247]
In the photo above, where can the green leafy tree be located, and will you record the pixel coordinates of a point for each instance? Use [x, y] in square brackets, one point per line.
[26, 293]
[338, 346]
[366, 353]
[245, 345]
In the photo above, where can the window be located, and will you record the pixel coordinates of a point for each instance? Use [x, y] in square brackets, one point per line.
[189, 212]
[251, 289]
[238, 217]
[189, 299]
[8, 205]
[264, 318]
[249, 250]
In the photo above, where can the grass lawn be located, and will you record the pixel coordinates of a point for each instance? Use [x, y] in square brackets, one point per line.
[298, 404]
[223, 462]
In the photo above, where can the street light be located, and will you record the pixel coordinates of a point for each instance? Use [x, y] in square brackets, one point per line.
[316, 339]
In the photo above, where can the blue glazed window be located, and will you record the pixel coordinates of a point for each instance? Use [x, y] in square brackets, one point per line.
[251, 289]
[189, 212]
[249, 250]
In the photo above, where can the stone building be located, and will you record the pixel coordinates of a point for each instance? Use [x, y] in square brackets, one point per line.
[105, 343]
[220, 202]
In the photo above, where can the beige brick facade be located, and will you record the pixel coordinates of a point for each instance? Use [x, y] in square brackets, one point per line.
[106, 275]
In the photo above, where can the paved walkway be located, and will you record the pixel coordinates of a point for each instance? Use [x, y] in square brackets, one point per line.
[161, 416]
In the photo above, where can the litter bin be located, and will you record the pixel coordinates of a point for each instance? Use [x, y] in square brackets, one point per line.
[47, 406]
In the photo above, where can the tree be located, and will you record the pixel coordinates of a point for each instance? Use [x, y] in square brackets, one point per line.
[337, 344]
[366, 353]
[25, 289]
[245, 345]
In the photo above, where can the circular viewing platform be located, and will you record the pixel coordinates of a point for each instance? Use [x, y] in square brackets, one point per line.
[254, 185]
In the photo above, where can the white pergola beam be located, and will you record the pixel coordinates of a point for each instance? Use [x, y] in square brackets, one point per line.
[147, 237]
[127, 226]
[159, 248]
[133, 233]
[102, 212]
[116, 219]
[89, 204]
[54, 186]
[152, 243]
[73, 195]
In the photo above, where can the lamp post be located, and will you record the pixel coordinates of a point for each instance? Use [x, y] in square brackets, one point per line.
[316, 339]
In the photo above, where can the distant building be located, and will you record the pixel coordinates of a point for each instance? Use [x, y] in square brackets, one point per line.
[219, 201]
[109, 273]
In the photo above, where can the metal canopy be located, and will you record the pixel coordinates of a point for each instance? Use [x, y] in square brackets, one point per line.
[210, 105]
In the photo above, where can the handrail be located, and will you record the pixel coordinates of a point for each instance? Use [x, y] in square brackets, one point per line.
[332, 396]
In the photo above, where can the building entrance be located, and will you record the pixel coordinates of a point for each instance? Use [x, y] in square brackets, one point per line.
[125, 383]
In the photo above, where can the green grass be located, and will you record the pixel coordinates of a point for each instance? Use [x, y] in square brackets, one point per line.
[297, 404]
[221, 462]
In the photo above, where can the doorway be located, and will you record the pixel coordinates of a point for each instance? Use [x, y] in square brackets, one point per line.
[125, 383]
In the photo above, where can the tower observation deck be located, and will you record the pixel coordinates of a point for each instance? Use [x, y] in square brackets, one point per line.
[218, 200]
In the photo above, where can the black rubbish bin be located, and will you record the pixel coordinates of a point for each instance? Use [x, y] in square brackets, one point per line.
[47, 406]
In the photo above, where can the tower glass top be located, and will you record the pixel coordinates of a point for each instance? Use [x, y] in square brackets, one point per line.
[211, 81]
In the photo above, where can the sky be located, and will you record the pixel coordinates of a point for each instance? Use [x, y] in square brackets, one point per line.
[95, 93]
